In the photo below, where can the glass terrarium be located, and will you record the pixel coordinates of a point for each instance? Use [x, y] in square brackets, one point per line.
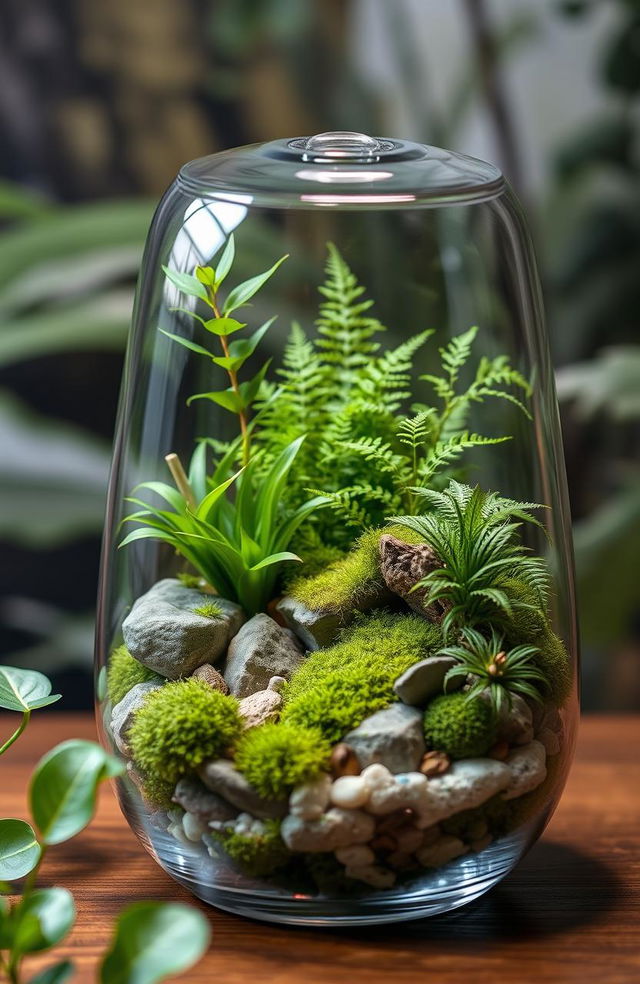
[336, 639]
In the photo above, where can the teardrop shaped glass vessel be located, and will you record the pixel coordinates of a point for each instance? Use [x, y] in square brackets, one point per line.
[336, 640]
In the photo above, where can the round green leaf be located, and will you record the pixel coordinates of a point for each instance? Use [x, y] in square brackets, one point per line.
[42, 920]
[19, 849]
[154, 940]
[63, 789]
[24, 690]
[57, 974]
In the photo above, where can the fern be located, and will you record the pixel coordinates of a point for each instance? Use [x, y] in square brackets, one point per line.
[388, 377]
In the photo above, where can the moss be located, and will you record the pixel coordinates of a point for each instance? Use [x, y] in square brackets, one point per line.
[316, 558]
[158, 791]
[257, 855]
[341, 701]
[211, 609]
[384, 643]
[191, 580]
[462, 728]
[525, 624]
[124, 672]
[277, 757]
[180, 726]
[554, 662]
[345, 583]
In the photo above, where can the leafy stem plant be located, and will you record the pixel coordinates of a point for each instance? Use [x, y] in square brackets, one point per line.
[62, 799]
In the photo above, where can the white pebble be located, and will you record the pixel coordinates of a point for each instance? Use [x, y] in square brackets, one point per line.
[334, 829]
[355, 856]
[527, 765]
[349, 792]
[193, 827]
[311, 800]
[372, 874]
[406, 791]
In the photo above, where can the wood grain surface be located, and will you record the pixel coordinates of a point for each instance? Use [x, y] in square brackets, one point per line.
[570, 912]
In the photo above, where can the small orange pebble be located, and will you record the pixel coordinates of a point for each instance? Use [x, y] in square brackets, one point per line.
[434, 763]
[499, 751]
[344, 761]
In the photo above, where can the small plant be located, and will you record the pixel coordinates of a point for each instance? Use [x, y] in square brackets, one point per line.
[474, 534]
[459, 727]
[180, 726]
[277, 757]
[151, 940]
[496, 671]
[124, 672]
[259, 852]
[209, 610]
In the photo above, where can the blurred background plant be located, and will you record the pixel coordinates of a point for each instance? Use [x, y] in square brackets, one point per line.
[101, 103]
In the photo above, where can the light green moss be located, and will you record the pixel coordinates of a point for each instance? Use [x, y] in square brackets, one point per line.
[345, 583]
[158, 791]
[180, 726]
[257, 855]
[316, 558]
[211, 609]
[462, 728]
[527, 622]
[277, 757]
[384, 643]
[124, 672]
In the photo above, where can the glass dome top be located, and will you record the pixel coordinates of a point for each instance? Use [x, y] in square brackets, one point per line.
[341, 168]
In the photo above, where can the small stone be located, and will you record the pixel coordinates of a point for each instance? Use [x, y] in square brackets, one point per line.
[211, 677]
[527, 767]
[221, 777]
[194, 827]
[425, 680]
[515, 722]
[164, 633]
[393, 737]
[260, 650]
[277, 684]
[406, 790]
[431, 835]
[373, 874]
[383, 843]
[124, 712]
[467, 784]
[260, 707]
[349, 792]
[445, 849]
[334, 829]
[316, 629]
[344, 761]
[400, 860]
[355, 856]
[499, 751]
[434, 763]
[392, 822]
[402, 565]
[310, 800]
[548, 727]
[409, 839]
[195, 798]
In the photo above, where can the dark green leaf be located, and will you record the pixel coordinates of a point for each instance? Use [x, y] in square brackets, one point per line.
[187, 343]
[249, 390]
[63, 789]
[57, 974]
[24, 690]
[186, 283]
[42, 920]
[19, 849]
[243, 293]
[226, 260]
[154, 940]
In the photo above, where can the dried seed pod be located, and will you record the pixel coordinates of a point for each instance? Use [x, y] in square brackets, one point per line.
[344, 761]
[434, 763]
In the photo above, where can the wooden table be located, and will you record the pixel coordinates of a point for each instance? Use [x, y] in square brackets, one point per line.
[570, 912]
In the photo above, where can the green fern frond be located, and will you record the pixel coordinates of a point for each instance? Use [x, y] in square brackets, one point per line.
[444, 453]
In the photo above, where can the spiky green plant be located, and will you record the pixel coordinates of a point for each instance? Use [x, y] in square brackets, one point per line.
[498, 672]
[475, 534]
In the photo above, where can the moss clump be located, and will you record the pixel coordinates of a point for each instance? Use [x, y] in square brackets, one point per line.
[211, 609]
[341, 702]
[554, 662]
[383, 644]
[277, 757]
[191, 580]
[351, 581]
[124, 672]
[525, 624]
[258, 854]
[158, 791]
[462, 728]
[180, 726]
[316, 558]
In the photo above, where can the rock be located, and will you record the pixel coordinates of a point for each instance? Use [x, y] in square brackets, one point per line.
[195, 798]
[194, 827]
[277, 683]
[349, 792]
[317, 629]
[355, 856]
[334, 829]
[402, 565]
[392, 736]
[310, 800]
[221, 777]
[408, 839]
[260, 707]
[527, 767]
[548, 727]
[425, 679]
[163, 632]
[445, 849]
[390, 793]
[123, 713]
[260, 650]
[372, 874]
[344, 761]
[515, 723]
[211, 676]
[467, 784]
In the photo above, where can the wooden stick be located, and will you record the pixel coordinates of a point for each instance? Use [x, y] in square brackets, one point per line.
[180, 478]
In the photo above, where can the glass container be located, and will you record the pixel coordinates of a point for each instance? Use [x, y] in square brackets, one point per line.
[336, 641]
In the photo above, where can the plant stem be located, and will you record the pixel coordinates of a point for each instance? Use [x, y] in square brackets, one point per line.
[16, 734]
[180, 478]
[233, 377]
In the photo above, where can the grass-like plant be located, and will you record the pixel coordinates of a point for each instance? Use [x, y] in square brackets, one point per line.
[476, 537]
[498, 672]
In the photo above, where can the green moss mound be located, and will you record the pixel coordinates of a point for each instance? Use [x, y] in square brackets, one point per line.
[277, 757]
[341, 702]
[124, 672]
[382, 644]
[526, 623]
[348, 582]
[462, 728]
[180, 726]
[316, 557]
[257, 855]
[553, 660]
[158, 791]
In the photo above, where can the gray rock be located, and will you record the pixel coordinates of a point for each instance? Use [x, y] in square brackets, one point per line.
[425, 679]
[260, 707]
[261, 649]
[334, 829]
[163, 632]
[223, 778]
[527, 767]
[467, 784]
[211, 676]
[402, 565]
[393, 737]
[194, 797]
[124, 712]
[317, 629]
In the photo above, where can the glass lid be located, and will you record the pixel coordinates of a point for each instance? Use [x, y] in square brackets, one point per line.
[341, 168]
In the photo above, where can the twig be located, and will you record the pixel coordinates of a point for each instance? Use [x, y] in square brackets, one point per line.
[180, 478]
